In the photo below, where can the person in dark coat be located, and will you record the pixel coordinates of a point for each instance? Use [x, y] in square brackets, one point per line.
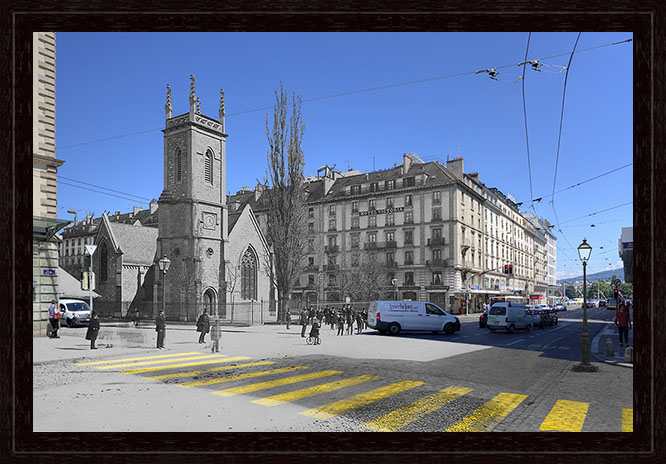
[203, 326]
[93, 330]
[54, 319]
[341, 322]
[350, 322]
[160, 328]
[303, 320]
[288, 318]
[359, 322]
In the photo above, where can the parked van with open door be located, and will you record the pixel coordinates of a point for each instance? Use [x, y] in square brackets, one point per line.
[392, 317]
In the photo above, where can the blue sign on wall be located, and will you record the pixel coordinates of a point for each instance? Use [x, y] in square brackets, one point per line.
[627, 245]
[48, 271]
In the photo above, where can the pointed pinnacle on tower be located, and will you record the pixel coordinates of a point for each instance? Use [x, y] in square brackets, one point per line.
[167, 107]
[193, 96]
[222, 112]
[198, 106]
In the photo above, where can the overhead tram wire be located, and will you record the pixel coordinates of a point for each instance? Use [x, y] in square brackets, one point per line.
[103, 193]
[103, 188]
[537, 200]
[352, 92]
[527, 139]
[597, 212]
[559, 139]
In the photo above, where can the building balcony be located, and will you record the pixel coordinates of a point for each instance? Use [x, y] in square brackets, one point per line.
[434, 241]
[370, 246]
[390, 244]
[409, 262]
[437, 219]
[392, 264]
[436, 263]
[331, 249]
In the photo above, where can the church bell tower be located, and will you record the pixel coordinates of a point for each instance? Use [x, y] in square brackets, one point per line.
[193, 211]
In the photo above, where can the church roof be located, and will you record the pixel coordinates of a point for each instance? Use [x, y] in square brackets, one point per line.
[233, 219]
[138, 243]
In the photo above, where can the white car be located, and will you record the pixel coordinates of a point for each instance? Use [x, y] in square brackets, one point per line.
[75, 313]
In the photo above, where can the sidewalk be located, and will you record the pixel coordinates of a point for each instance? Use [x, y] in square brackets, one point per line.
[598, 346]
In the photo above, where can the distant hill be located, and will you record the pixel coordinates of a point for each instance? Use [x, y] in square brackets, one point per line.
[604, 275]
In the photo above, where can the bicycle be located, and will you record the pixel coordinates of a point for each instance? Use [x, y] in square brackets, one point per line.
[313, 340]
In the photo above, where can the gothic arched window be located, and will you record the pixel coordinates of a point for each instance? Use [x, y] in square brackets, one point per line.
[249, 275]
[208, 168]
[179, 165]
[103, 263]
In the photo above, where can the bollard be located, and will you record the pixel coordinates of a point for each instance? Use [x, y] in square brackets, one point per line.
[610, 348]
[628, 354]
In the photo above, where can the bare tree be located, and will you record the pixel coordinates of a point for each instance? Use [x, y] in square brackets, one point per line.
[231, 279]
[285, 196]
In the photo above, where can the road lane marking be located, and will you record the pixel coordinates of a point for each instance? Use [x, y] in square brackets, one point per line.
[163, 361]
[513, 343]
[177, 366]
[399, 418]
[137, 359]
[627, 420]
[338, 407]
[485, 418]
[273, 383]
[214, 369]
[241, 376]
[312, 391]
[566, 416]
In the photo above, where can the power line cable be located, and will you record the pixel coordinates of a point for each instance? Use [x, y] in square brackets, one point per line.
[102, 193]
[537, 200]
[597, 212]
[352, 92]
[527, 139]
[103, 188]
[559, 139]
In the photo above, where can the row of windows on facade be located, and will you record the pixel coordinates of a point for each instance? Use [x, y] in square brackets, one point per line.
[208, 166]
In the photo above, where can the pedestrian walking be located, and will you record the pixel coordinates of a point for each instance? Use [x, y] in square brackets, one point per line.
[203, 326]
[288, 320]
[93, 330]
[215, 335]
[359, 322]
[623, 323]
[341, 322]
[365, 318]
[136, 317]
[303, 320]
[160, 328]
[54, 319]
[350, 321]
[311, 315]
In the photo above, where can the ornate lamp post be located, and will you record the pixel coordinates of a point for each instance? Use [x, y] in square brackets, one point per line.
[164, 267]
[584, 251]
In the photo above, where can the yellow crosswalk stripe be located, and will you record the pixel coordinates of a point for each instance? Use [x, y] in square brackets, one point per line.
[137, 359]
[485, 418]
[566, 416]
[399, 418]
[178, 366]
[312, 391]
[627, 420]
[241, 376]
[274, 383]
[214, 369]
[162, 361]
[338, 407]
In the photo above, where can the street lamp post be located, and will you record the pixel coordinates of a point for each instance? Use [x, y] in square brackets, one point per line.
[164, 264]
[584, 251]
[394, 281]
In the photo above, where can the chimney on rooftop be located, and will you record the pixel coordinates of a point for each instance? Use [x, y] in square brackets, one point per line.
[406, 163]
[136, 210]
[456, 166]
[153, 207]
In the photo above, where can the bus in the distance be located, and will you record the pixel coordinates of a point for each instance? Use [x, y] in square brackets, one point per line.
[513, 299]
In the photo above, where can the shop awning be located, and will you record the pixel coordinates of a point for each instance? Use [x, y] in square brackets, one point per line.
[43, 228]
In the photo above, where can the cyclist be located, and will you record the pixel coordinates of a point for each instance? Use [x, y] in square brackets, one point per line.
[314, 331]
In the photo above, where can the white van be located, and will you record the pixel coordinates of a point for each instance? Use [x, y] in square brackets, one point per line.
[509, 316]
[394, 316]
[75, 313]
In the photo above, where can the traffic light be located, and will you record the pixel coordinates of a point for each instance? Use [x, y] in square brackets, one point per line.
[616, 293]
[511, 269]
[506, 268]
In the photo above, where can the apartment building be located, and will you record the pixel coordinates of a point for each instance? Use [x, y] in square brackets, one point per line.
[435, 232]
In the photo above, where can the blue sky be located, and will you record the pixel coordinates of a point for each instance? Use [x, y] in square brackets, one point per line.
[113, 84]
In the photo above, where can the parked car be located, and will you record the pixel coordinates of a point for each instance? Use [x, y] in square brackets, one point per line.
[548, 316]
[602, 303]
[392, 317]
[483, 319]
[560, 307]
[536, 315]
[75, 313]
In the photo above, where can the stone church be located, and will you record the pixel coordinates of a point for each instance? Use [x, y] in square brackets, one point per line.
[217, 259]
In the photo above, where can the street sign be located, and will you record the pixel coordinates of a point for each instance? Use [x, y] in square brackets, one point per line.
[91, 249]
[48, 271]
[617, 282]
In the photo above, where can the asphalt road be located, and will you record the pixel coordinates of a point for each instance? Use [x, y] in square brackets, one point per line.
[268, 379]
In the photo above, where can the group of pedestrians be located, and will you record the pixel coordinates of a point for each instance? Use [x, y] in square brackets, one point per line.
[345, 317]
[54, 319]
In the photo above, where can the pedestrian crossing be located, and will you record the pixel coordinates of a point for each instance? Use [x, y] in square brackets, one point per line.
[373, 394]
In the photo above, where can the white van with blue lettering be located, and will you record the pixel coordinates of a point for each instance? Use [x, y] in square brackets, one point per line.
[392, 317]
[509, 316]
